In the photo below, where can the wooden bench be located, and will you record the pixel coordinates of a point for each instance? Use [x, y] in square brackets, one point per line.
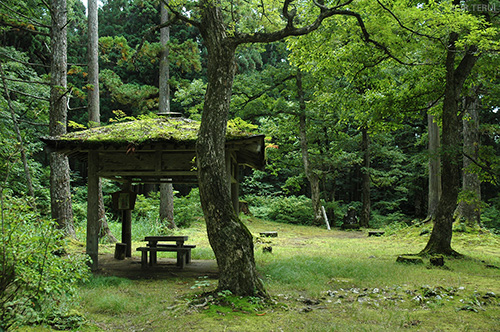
[183, 254]
[188, 253]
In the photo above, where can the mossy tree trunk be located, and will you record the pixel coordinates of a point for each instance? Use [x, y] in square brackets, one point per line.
[60, 194]
[440, 239]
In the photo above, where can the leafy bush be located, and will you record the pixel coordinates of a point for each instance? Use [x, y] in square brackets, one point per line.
[379, 220]
[186, 209]
[290, 210]
[490, 216]
[38, 281]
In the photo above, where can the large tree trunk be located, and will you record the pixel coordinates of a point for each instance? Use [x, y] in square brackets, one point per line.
[364, 220]
[440, 239]
[434, 167]
[231, 241]
[60, 194]
[166, 189]
[469, 207]
[310, 174]
[93, 106]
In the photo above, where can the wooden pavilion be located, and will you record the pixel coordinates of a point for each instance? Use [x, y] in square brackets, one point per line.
[150, 150]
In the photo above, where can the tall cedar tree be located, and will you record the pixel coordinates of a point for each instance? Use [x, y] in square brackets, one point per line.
[60, 194]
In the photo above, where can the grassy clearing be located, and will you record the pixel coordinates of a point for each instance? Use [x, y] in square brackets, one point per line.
[319, 280]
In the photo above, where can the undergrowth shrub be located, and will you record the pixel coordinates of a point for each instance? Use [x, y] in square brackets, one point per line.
[490, 216]
[38, 281]
[379, 220]
[290, 210]
[187, 209]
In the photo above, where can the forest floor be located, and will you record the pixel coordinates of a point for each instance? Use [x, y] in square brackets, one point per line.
[318, 280]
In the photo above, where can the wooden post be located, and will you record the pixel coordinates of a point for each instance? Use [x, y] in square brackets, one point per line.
[127, 224]
[325, 217]
[93, 209]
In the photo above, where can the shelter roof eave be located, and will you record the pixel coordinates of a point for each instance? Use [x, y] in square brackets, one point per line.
[170, 145]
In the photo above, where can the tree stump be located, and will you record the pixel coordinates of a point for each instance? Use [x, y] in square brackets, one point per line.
[120, 250]
[437, 261]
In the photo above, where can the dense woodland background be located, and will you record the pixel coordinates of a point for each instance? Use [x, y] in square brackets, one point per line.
[347, 124]
[345, 99]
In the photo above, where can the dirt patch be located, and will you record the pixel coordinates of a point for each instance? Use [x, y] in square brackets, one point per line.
[166, 268]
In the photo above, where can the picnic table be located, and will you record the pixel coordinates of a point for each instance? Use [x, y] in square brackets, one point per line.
[157, 243]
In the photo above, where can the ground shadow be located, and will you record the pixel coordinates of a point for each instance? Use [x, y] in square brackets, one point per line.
[166, 268]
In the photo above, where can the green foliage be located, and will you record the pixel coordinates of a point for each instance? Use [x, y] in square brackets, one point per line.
[289, 210]
[490, 216]
[39, 281]
[187, 209]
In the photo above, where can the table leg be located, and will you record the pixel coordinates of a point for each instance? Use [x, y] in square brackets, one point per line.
[153, 259]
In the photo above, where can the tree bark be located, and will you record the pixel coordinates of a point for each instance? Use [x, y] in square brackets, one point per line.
[167, 204]
[434, 167]
[440, 239]
[469, 207]
[166, 189]
[93, 106]
[231, 241]
[364, 220]
[310, 174]
[60, 194]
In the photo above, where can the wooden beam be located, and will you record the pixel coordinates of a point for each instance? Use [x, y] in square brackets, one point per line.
[145, 174]
[93, 210]
[127, 224]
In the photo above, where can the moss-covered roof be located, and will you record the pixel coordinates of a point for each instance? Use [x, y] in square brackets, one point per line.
[147, 130]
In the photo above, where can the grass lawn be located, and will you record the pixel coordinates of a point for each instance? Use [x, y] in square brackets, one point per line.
[318, 280]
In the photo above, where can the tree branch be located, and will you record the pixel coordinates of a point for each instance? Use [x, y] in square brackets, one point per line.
[325, 12]
[14, 26]
[24, 81]
[258, 95]
[29, 19]
[484, 168]
[23, 62]
[152, 30]
[180, 16]
[29, 95]
[405, 27]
